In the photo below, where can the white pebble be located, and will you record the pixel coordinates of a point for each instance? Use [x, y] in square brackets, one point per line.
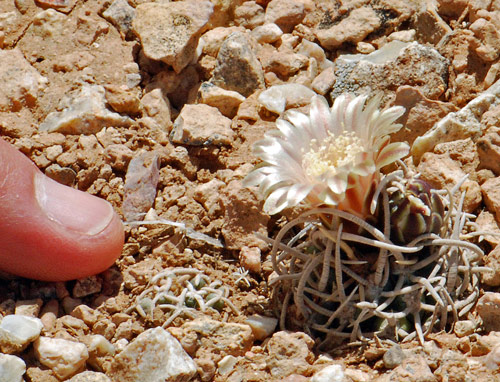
[12, 368]
[332, 373]
[262, 327]
[18, 331]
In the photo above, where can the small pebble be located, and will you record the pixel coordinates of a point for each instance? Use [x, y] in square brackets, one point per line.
[64, 357]
[262, 327]
[12, 368]
[17, 332]
[332, 373]
[393, 357]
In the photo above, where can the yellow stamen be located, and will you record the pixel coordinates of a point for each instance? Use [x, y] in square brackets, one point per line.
[335, 151]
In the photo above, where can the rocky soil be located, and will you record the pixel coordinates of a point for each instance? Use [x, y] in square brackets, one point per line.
[154, 106]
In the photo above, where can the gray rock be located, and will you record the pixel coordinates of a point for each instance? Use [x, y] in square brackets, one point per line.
[64, 357]
[18, 331]
[141, 182]
[237, 66]
[395, 64]
[393, 357]
[21, 82]
[120, 14]
[170, 32]
[201, 125]
[12, 368]
[465, 123]
[280, 97]
[84, 112]
[154, 356]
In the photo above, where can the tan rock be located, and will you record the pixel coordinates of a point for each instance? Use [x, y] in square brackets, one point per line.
[488, 148]
[491, 193]
[227, 101]
[487, 223]
[213, 39]
[267, 33]
[489, 36]
[420, 115]
[324, 81]
[285, 13]
[463, 151]
[488, 308]
[157, 106]
[492, 260]
[217, 339]
[242, 215]
[249, 15]
[21, 82]
[442, 172]
[122, 100]
[250, 259]
[289, 353]
[359, 24]
[170, 32]
[283, 63]
[201, 125]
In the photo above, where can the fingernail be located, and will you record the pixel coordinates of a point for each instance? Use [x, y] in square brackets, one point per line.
[73, 209]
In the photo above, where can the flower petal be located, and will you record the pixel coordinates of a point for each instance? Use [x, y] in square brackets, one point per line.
[391, 153]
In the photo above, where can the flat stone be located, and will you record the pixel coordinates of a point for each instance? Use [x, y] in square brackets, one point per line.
[487, 223]
[64, 357]
[262, 326]
[285, 13]
[18, 331]
[465, 123]
[413, 369]
[83, 112]
[154, 356]
[201, 125]
[395, 64]
[120, 14]
[429, 25]
[237, 66]
[488, 308]
[141, 182]
[277, 98]
[331, 373]
[12, 368]
[21, 82]
[90, 376]
[360, 23]
[250, 259]
[227, 101]
[169, 32]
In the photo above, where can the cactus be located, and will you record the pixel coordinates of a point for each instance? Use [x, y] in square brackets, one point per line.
[415, 211]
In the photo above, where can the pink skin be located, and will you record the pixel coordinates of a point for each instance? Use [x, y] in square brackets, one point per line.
[74, 236]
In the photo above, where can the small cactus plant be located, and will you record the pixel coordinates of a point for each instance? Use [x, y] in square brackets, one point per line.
[415, 210]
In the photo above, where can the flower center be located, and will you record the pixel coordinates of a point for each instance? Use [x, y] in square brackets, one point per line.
[333, 152]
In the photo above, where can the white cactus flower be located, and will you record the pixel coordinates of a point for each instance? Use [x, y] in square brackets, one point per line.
[332, 157]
